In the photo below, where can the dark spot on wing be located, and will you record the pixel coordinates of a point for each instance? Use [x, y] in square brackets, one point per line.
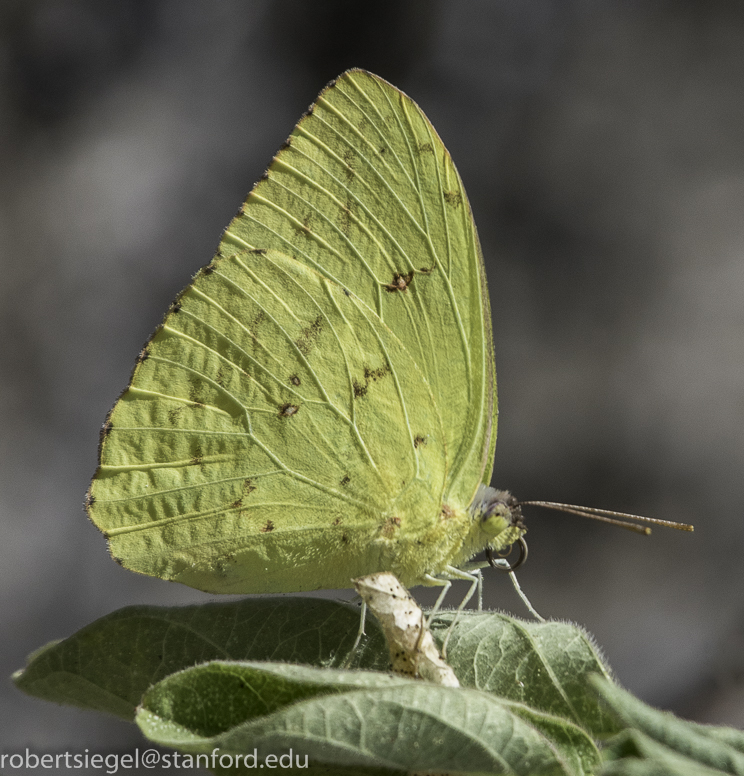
[117, 560]
[90, 499]
[208, 270]
[336, 521]
[258, 251]
[220, 378]
[105, 430]
[309, 335]
[175, 307]
[344, 538]
[453, 198]
[382, 150]
[400, 282]
[376, 374]
[286, 410]
[419, 440]
[248, 488]
[285, 145]
[268, 527]
[294, 380]
[144, 354]
[447, 511]
[426, 148]
[370, 375]
[426, 270]
[347, 292]
[389, 527]
[173, 415]
[346, 480]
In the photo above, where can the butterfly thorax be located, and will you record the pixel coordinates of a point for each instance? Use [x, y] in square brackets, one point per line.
[493, 520]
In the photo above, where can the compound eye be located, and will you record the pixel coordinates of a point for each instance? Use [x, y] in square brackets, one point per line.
[496, 520]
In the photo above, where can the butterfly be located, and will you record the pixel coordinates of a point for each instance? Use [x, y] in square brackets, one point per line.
[319, 403]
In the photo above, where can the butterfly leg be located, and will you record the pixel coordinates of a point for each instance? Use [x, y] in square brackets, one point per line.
[475, 569]
[445, 584]
[524, 598]
[476, 580]
[501, 562]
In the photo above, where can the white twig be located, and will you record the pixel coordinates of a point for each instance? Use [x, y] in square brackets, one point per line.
[412, 648]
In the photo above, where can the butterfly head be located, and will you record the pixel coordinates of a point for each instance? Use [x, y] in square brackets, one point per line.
[498, 515]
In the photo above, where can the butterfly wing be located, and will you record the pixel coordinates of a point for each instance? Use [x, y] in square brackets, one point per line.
[274, 437]
[365, 192]
[318, 404]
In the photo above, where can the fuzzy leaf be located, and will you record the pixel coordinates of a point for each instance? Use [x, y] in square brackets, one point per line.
[544, 665]
[657, 742]
[108, 665]
[349, 720]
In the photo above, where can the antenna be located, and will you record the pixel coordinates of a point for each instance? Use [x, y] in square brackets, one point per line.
[610, 516]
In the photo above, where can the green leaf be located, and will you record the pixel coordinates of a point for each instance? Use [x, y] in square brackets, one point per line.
[545, 665]
[108, 665]
[350, 720]
[634, 754]
[658, 742]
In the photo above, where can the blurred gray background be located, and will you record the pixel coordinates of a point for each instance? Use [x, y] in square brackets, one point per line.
[602, 146]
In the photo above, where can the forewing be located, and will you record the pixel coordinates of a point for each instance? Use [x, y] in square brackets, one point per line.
[365, 192]
[276, 436]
